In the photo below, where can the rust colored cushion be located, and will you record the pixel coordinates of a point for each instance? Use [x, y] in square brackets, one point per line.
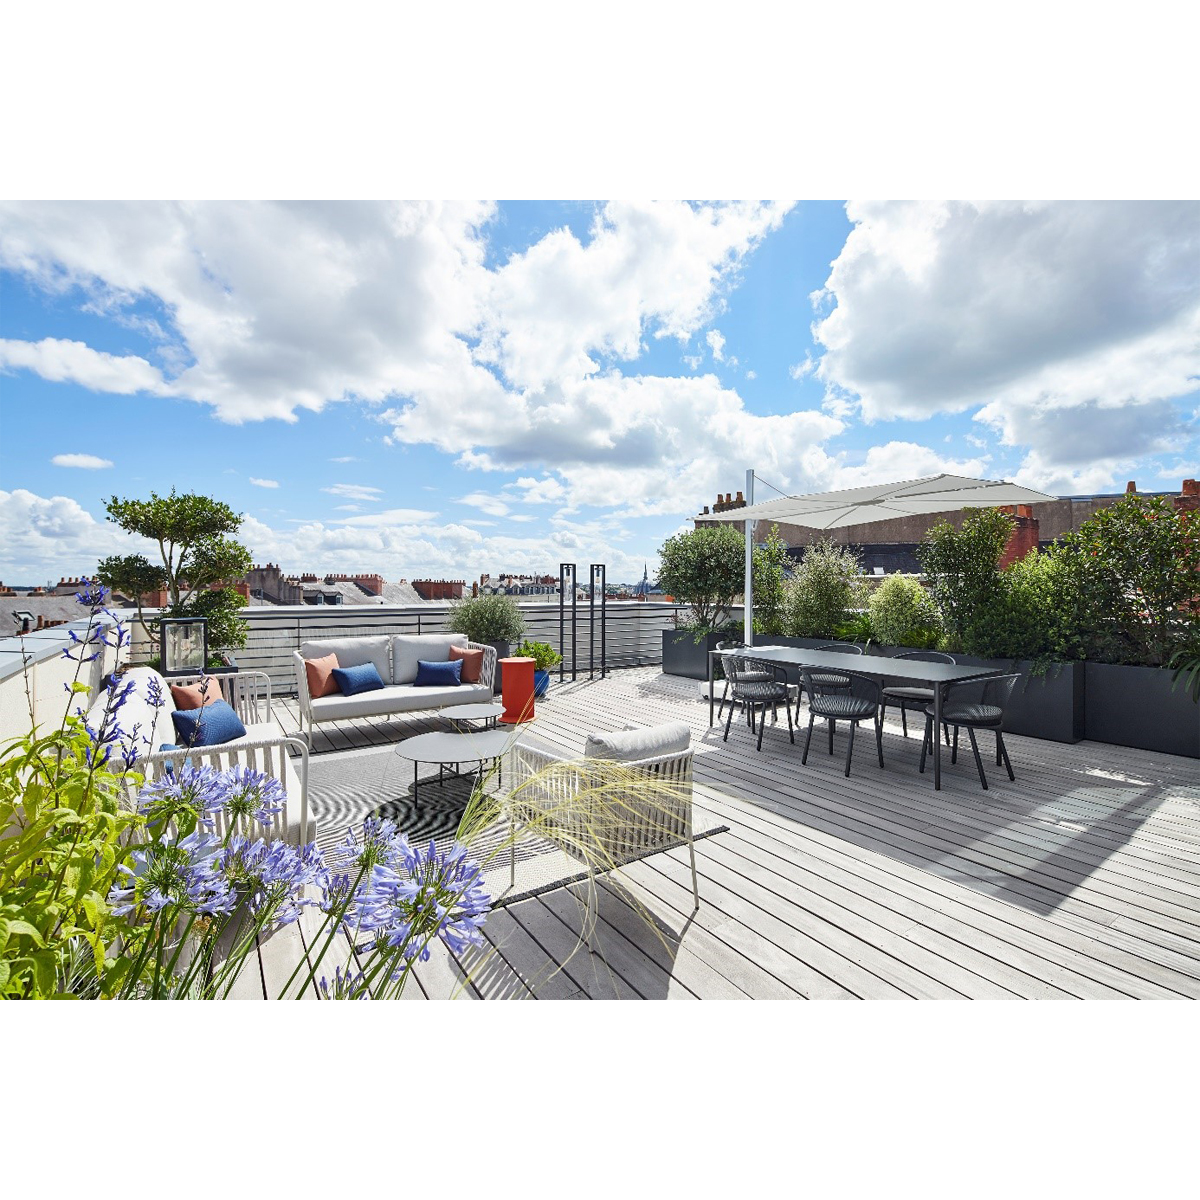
[472, 663]
[320, 675]
[189, 696]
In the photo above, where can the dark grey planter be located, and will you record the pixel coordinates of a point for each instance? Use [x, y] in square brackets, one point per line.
[1050, 706]
[1135, 706]
[683, 655]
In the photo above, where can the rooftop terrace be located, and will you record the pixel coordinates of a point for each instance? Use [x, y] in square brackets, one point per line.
[1080, 879]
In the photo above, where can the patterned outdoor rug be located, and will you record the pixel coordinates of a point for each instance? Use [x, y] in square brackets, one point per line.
[344, 788]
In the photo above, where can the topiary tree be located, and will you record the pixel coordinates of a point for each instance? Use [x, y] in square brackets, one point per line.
[826, 587]
[706, 569]
[192, 532]
[486, 619]
[903, 613]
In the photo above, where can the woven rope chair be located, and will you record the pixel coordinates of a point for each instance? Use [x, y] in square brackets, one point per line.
[859, 702]
[974, 704]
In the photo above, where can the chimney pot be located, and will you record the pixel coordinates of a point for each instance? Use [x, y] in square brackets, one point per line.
[1131, 486]
[1191, 487]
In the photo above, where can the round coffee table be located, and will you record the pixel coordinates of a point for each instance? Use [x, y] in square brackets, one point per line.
[489, 714]
[454, 749]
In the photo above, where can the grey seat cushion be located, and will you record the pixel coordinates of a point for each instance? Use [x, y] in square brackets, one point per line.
[353, 652]
[909, 693]
[397, 699]
[826, 679]
[842, 708]
[759, 692]
[631, 745]
[969, 714]
[410, 648]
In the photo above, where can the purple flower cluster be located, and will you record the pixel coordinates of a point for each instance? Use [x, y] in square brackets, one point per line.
[404, 897]
[345, 985]
[271, 876]
[191, 792]
[253, 795]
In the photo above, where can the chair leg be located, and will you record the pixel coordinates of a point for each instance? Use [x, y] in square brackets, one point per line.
[762, 725]
[954, 751]
[695, 877]
[904, 717]
[978, 760]
[832, 727]
[729, 720]
[946, 732]
[791, 731]
[1004, 754]
[997, 747]
[925, 743]
[812, 716]
[850, 747]
[721, 704]
[879, 740]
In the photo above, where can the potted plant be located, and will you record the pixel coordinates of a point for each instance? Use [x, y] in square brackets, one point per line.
[489, 620]
[545, 657]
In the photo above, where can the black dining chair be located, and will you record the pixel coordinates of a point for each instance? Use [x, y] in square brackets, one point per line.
[974, 704]
[908, 696]
[858, 702]
[831, 680]
[750, 689]
[733, 644]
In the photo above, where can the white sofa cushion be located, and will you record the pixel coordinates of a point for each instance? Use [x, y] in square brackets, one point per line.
[353, 652]
[397, 699]
[632, 745]
[409, 648]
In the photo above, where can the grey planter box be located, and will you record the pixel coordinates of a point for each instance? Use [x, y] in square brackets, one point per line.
[1050, 706]
[683, 655]
[1135, 706]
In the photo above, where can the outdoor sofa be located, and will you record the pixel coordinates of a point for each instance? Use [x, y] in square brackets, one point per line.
[395, 657]
[264, 747]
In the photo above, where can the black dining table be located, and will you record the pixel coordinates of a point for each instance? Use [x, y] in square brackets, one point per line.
[934, 675]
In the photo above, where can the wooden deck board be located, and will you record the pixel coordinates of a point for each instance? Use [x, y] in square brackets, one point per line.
[1079, 879]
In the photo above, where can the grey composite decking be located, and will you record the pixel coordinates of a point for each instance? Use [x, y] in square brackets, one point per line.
[1081, 879]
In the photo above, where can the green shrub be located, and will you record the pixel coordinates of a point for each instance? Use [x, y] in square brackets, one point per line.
[543, 654]
[825, 588]
[903, 614]
[770, 594]
[487, 619]
[705, 568]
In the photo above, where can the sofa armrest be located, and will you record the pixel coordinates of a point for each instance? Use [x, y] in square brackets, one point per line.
[302, 684]
[248, 693]
[487, 673]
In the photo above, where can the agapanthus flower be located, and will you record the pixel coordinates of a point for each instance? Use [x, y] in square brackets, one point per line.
[179, 873]
[345, 985]
[253, 794]
[198, 791]
[93, 595]
[270, 877]
[405, 897]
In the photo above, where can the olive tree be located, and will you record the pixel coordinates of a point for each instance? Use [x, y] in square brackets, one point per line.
[705, 569]
[825, 588]
[192, 533]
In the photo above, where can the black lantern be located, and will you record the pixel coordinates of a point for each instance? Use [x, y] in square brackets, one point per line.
[183, 643]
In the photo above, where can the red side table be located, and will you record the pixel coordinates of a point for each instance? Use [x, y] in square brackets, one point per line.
[517, 690]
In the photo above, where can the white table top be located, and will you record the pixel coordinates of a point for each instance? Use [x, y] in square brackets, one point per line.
[471, 746]
[473, 712]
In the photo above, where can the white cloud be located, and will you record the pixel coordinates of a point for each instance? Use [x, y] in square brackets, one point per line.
[1069, 327]
[88, 462]
[539, 491]
[264, 483]
[897, 461]
[62, 361]
[390, 517]
[354, 491]
[801, 369]
[751, 374]
[486, 502]
[345, 458]
[46, 537]
[716, 343]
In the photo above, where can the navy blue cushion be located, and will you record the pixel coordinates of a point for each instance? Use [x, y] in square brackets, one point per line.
[213, 725]
[352, 680]
[438, 674]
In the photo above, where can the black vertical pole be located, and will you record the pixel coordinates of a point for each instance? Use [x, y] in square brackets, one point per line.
[599, 570]
[574, 623]
[562, 598]
[592, 622]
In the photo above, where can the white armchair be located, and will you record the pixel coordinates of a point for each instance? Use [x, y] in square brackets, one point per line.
[627, 796]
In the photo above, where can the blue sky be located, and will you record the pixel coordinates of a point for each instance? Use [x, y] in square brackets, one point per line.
[446, 389]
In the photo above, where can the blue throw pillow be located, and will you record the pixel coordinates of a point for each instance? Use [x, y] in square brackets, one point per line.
[352, 680]
[213, 725]
[438, 674]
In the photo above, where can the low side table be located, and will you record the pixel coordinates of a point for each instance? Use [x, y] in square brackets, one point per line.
[454, 749]
[463, 714]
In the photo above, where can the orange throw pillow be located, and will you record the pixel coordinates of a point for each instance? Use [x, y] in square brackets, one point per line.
[472, 663]
[189, 696]
[320, 675]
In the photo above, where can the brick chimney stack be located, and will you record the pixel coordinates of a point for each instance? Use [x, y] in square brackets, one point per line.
[726, 502]
[1024, 536]
[1188, 499]
[1131, 486]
